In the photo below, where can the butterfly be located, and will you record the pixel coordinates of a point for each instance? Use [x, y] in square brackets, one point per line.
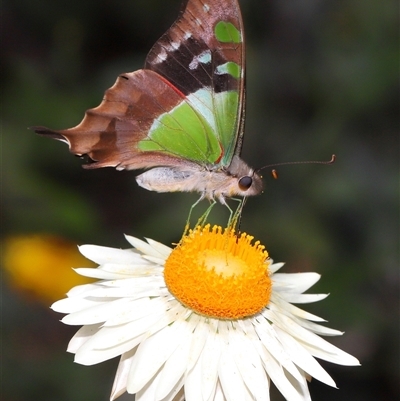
[181, 117]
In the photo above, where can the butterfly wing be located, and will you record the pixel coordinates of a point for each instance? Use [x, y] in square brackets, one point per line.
[202, 55]
[185, 107]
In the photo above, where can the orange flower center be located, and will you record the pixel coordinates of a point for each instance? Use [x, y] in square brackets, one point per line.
[218, 274]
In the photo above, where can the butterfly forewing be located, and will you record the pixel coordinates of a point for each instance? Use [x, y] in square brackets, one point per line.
[202, 55]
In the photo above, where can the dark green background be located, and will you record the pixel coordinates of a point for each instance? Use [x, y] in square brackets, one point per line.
[322, 79]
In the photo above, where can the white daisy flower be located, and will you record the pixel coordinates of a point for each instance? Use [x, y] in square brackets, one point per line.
[210, 320]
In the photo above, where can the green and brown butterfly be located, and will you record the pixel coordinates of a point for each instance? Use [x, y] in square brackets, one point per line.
[182, 116]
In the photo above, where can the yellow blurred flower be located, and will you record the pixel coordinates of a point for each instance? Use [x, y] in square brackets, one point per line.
[41, 265]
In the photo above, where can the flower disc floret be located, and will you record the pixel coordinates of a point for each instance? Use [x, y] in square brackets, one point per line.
[219, 274]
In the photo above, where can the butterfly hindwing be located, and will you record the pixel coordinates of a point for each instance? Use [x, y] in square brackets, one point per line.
[184, 107]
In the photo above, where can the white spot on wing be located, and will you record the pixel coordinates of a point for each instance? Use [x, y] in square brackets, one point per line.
[198, 22]
[162, 56]
[204, 58]
[172, 46]
[187, 35]
[175, 45]
[206, 8]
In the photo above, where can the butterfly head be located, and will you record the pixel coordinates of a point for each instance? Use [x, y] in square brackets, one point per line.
[247, 181]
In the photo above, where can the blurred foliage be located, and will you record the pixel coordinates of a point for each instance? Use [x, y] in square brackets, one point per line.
[322, 78]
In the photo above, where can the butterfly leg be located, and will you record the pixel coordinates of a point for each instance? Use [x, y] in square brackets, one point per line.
[234, 218]
[203, 218]
[222, 199]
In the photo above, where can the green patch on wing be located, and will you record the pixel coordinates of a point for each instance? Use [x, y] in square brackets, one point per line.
[185, 133]
[220, 112]
[227, 32]
[230, 68]
[226, 105]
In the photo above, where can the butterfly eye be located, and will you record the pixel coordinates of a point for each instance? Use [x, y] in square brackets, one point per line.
[245, 183]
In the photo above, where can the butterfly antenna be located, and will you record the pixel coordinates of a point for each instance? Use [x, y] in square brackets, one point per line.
[275, 174]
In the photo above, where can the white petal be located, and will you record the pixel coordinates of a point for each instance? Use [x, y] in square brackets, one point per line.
[249, 364]
[121, 377]
[154, 260]
[230, 378]
[135, 291]
[218, 395]
[173, 311]
[295, 330]
[301, 386]
[245, 325]
[294, 282]
[317, 328]
[274, 267]
[313, 342]
[82, 290]
[81, 336]
[127, 270]
[162, 249]
[98, 273]
[270, 342]
[134, 282]
[144, 247]
[148, 391]
[209, 364]
[135, 310]
[193, 383]
[113, 336]
[180, 395]
[332, 354]
[287, 308]
[87, 355]
[199, 339]
[177, 393]
[109, 342]
[97, 313]
[280, 379]
[175, 366]
[70, 305]
[303, 358]
[150, 356]
[102, 254]
[115, 271]
[303, 298]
